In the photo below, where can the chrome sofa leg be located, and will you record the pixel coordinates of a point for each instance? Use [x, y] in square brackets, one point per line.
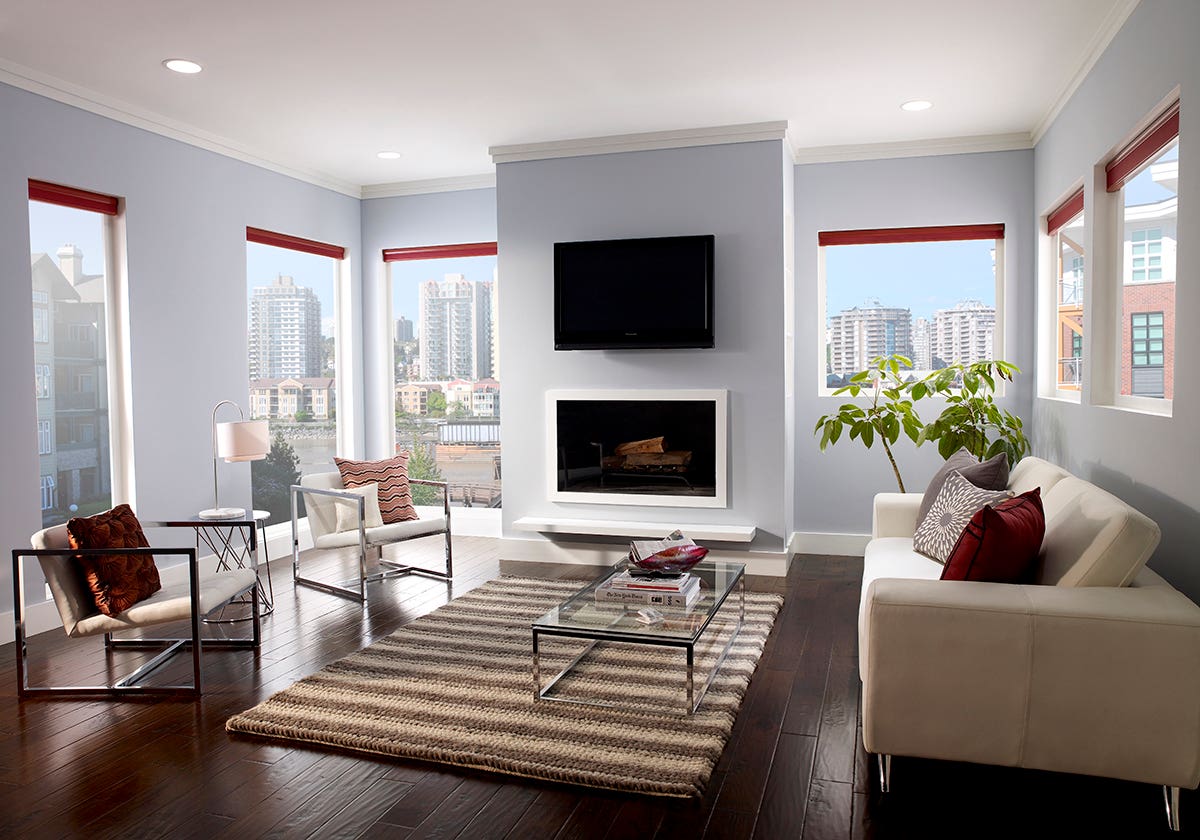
[1171, 797]
[885, 772]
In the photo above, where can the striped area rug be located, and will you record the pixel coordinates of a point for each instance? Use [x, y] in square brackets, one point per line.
[455, 687]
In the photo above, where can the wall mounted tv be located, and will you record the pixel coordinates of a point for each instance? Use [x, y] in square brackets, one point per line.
[634, 293]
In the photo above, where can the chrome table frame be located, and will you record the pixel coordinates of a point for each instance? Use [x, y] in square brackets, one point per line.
[634, 636]
[220, 536]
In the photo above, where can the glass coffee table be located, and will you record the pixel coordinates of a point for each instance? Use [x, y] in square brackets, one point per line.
[582, 617]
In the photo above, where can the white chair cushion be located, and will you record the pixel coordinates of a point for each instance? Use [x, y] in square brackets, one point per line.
[171, 603]
[432, 521]
[347, 513]
[1033, 472]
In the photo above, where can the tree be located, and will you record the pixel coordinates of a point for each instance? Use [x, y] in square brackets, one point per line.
[971, 418]
[272, 478]
[422, 465]
[303, 416]
[436, 403]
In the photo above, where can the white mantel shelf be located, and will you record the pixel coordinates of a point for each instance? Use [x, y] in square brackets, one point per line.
[625, 528]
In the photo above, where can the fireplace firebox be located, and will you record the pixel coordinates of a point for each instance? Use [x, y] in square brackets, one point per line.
[637, 447]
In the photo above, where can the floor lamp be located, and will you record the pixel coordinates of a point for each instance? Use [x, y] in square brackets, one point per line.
[235, 440]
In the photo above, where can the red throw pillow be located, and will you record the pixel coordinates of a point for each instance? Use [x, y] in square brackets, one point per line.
[117, 581]
[391, 474]
[1001, 543]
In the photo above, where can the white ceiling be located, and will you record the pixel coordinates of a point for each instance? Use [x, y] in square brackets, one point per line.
[317, 88]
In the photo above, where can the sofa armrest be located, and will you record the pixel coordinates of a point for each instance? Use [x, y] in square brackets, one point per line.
[895, 514]
[1095, 680]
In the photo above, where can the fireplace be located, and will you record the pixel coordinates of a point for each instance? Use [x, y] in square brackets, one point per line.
[637, 447]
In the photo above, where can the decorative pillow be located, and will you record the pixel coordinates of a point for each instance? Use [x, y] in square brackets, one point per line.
[347, 513]
[1000, 544]
[991, 474]
[116, 581]
[391, 474]
[950, 512]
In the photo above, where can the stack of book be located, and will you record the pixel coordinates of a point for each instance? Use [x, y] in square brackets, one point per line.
[680, 591]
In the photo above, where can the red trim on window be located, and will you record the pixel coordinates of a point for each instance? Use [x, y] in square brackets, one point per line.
[1143, 148]
[294, 243]
[440, 252]
[880, 236]
[1064, 212]
[72, 197]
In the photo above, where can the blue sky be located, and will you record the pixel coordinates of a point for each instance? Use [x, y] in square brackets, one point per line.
[407, 277]
[922, 276]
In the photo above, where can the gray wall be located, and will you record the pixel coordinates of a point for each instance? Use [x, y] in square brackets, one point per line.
[445, 218]
[186, 214]
[1150, 461]
[834, 488]
[734, 191]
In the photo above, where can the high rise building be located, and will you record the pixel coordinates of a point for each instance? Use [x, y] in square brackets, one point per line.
[922, 356]
[404, 329]
[963, 334]
[285, 331]
[860, 334]
[456, 329]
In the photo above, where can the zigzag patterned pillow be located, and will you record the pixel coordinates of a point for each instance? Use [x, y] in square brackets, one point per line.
[956, 503]
[391, 474]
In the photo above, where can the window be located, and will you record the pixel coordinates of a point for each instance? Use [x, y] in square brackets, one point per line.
[49, 494]
[926, 293]
[1065, 226]
[41, 381]
[1145, 177]
[69, 233]
[446, 364]
[44, 436]
[293, 306]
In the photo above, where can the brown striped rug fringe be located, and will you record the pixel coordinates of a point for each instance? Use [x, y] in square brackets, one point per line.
[455, 687]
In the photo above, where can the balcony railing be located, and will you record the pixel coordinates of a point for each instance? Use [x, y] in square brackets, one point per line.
[1070, 371]
[1070, 291]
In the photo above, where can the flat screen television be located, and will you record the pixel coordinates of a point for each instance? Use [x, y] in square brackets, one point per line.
[634, 293]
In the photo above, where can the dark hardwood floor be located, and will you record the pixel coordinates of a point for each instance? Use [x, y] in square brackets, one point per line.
[794, 767]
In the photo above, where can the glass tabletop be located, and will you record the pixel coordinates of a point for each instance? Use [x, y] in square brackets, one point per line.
[586, 615]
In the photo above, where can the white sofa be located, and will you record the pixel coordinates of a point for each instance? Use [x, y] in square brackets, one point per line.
[1096, 670]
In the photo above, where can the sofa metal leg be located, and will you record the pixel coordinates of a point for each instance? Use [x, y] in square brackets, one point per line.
[1171, 797]
[885, 772]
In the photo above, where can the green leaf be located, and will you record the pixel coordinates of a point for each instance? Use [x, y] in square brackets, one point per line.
[868, 435]
[919, 390]
[837, 431]
[861, 376]
[947, 446]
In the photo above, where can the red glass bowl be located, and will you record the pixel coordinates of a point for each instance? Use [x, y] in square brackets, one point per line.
[678, 558]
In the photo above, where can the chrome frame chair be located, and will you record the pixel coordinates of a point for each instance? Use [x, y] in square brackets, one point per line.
[73, 600]
[318, 511]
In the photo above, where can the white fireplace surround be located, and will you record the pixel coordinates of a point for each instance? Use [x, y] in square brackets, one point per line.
[719, 397]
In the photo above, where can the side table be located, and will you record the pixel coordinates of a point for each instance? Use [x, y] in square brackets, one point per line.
[235, 544]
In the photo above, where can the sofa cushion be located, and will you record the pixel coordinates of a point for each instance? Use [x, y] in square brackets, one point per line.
[347, 514]
[1092, 537]
[1033, 472]
[391, 474]
[956, 503]
[991, 474]
[118, 581]
[1000, 544]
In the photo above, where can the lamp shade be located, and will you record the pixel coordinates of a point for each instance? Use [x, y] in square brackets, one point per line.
[243, 440]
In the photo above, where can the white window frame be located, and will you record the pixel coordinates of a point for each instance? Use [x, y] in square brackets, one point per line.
[49, 492]
[43, 381]
[1047, 358]
[998, 335]
[45, 437]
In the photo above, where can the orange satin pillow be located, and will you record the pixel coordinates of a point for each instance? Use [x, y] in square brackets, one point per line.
[116, 581]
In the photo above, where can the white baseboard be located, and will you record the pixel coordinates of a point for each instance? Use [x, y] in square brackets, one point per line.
[815, 542]
[770, 563]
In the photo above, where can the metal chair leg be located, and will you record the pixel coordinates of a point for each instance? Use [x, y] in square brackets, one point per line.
[1171, 797]
[885, 772]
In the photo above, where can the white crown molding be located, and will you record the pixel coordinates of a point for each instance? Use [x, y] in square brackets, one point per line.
[649, 141]
[913, 148]
[67, 93]
[1099, 43]
[483, 181]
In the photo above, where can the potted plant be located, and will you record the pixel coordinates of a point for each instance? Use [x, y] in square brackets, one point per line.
[971, 418]
[890, 412]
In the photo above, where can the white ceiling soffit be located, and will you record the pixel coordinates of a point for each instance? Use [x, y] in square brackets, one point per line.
[284, 90]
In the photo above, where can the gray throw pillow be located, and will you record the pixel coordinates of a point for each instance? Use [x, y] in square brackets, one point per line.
[991, 474]
[950, 513]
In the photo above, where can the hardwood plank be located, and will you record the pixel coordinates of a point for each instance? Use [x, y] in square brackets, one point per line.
[546, 815]
[497, 818]
[838, 736]
[636, 819]
[457, 810]
[751, 755]
[730, 825]
[592, 818]
[422, 799]
[829, 810]
[786, 798]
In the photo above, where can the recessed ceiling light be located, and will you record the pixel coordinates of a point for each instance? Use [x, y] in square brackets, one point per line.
[182, 65]
[917, 105]
[388, 155]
